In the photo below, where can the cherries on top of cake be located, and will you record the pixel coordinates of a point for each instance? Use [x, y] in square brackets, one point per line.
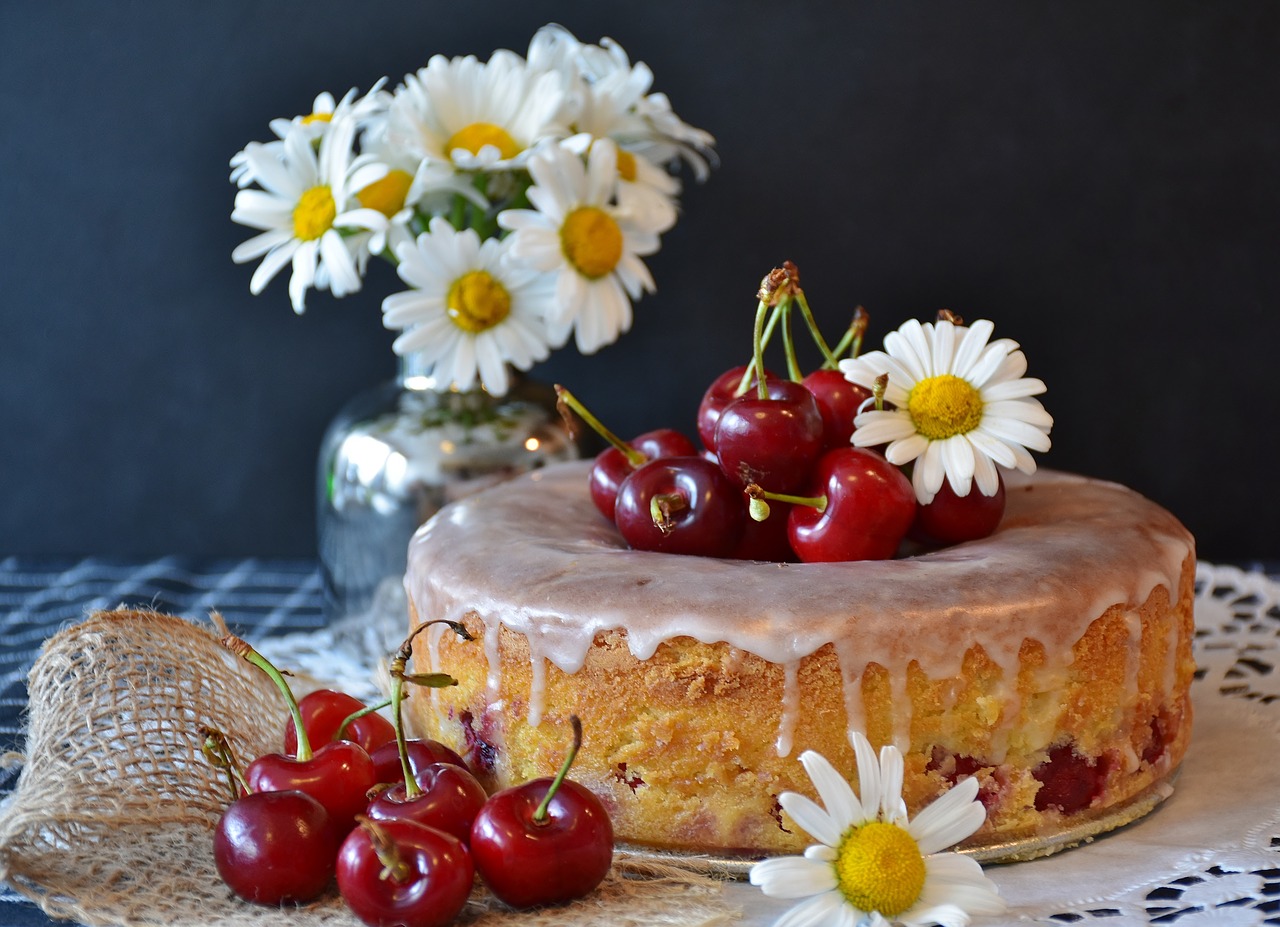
[842, 463]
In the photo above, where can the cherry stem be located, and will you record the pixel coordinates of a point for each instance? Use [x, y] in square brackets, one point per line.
[757, 348]
[829, 356]
[394, 866]
[540, 815]
[788, 343]
[217, 750]
[878, 390]
[242, 649]
[661, 508]
[774, 315]
[341, 733]
[399, 663]
[564, 399]
[757, 493]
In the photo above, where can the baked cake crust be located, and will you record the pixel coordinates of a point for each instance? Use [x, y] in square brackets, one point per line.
[1052, 660]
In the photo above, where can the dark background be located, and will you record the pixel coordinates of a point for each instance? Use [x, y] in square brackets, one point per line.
[1099, 179]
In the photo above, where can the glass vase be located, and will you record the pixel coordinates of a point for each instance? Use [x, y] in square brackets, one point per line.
[391, 458]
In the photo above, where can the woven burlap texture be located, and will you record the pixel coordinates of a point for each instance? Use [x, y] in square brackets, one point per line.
[112, 818]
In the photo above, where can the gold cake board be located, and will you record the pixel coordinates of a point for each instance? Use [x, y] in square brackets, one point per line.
[736, 867]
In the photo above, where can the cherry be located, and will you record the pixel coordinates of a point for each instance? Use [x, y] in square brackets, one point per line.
[615, 463]
[324, 714]
[838, 401]
[448, 798]
[403, 874]
[611, 466]
[771, 440]
[723, 390]
[858, 507]
[680, 505]
[544, 842]
[275, 848]
[338, 775]
[951, 519]
[1069, 782]
[766, 540]
[386, 759]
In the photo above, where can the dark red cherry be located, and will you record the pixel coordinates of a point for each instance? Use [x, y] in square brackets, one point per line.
[951, 519]
[275, 848]
[680, 505]
[766, 540]
[421, 753]
[1069, 782]
[722, 391]
[771, 442]
[449, 800]
[868, 507]
[324, 711]
[839, 401]
[612, 466]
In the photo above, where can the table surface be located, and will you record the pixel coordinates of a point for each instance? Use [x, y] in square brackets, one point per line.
[264, 598]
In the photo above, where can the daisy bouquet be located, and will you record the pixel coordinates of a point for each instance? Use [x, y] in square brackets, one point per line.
[516, 196]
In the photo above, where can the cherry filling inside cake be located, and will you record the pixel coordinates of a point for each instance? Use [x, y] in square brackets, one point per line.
[1051, 660]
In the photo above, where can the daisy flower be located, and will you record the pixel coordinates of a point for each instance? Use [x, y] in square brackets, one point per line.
[471, 312]
[313, 124]
[872, 865]
[961, 406]
[303, 209]
[477, 116]
[578, 235]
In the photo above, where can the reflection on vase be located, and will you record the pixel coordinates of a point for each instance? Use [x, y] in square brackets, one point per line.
[395, 455]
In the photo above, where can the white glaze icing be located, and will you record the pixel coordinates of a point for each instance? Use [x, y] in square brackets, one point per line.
[535, 556]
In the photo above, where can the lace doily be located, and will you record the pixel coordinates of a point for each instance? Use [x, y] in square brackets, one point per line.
[1209, 855]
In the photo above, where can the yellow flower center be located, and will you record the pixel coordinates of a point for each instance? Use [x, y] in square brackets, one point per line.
[879, 868]
[592, 241]
[314, 214]
[317, 117]
[386, 195]
[626, 166]
[944, 406]
[477, 302]
[475, 136]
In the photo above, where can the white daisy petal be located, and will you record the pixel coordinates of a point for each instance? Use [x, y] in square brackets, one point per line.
[957, 460]
[971, 346]
[891, 784]
[825, 910]
[1013, 389]
[792, 877]
[1026, 410]
[1013, 431]
[868, 776]
[834, 790]
[811, 818]
[985, 475]
[875, 428]
[950, 819]
[905, 450]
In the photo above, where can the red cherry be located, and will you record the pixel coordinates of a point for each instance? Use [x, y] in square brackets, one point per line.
[404, 874]
[766, 540]
[838, 401]
[544, 842]
[386, 759]
[868, 505]
[612, 466]
[1069, 782]
[771, 442]
[951, 519]
[722, 391]
[338, 775]
[680, 505]
[324, 711]
[449, 801]
[275, 848]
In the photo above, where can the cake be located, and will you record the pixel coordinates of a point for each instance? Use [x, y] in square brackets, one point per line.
[1052, 660]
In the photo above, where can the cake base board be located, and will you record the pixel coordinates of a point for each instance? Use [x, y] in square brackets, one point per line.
[736, 867]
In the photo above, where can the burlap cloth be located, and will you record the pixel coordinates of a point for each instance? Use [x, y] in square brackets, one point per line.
[111, 821]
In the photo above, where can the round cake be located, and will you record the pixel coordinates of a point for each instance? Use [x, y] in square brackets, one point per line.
[1051, 660]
